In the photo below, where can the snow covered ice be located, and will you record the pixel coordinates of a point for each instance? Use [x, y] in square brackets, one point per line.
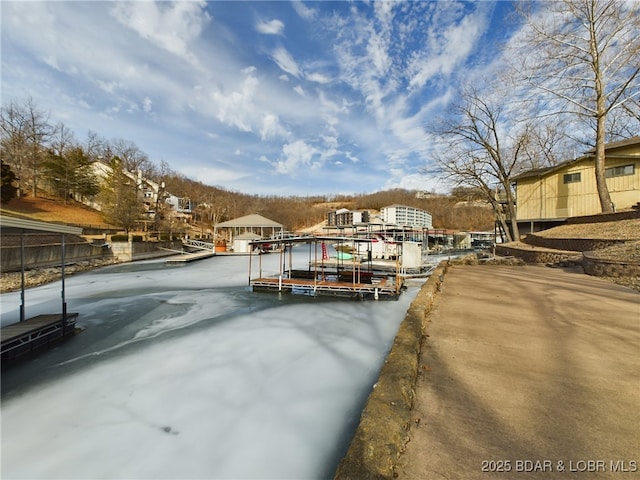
[183, 372]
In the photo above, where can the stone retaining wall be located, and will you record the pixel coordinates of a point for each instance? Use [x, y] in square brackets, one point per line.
[48, 255]
[574, 244]
[602, 267]
[530, 255]
[383, 431]
[51, 255]
[131, 251]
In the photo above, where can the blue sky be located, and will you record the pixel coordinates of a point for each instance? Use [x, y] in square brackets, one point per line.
[283, 98]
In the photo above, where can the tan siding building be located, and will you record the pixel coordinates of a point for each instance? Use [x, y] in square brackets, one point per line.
[550, 195]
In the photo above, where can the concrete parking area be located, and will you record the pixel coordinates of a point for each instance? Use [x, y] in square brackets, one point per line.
[527, 372]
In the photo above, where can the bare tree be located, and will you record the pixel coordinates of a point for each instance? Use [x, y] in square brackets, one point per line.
[485, 152]
[13, 124]
[586, 55]
[38, 132]
[133, 159]
[97, 148]
[548, 144]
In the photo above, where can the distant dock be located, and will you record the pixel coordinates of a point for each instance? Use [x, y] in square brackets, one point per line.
[330, 287]
[323, 276]
[190, 257]
[35, 334]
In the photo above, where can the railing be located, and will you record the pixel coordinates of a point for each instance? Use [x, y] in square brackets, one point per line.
[199, 244]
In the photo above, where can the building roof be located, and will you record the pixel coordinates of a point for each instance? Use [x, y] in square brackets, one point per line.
[16, 225]
[609, 147]
[247, 236]
[619, 144]
[253, 220]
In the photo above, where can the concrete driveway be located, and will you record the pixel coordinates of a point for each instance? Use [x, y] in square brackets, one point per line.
[527, 372]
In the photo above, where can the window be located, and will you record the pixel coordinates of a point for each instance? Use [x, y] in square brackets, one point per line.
[620, 171]
[572, 177]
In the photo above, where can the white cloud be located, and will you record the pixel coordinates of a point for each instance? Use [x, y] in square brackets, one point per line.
[211, 175]
[236, 108]
[451, 49]
[271, 127]
[285, 61]
[303, 11]
[296, 155]
[271, 27]
[318, 77]
[171, 26]
[146, 104]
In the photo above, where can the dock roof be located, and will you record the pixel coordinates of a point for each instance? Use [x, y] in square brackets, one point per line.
[253, 220]
[10, 224]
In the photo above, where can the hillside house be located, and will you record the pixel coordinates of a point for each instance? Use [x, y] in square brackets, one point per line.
[151, 194]
[548, 196]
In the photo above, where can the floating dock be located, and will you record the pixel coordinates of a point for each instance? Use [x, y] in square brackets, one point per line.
[36, 333]
[329, 279]
[189, 257]
[378, 290]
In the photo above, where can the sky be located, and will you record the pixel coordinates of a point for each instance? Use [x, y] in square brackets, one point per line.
[267, 98]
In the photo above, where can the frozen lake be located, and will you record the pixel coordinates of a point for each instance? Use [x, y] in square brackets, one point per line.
[183, 372]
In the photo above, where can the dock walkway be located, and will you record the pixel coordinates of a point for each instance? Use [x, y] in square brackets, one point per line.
[34, 333]
[189, 257]
[378, 289]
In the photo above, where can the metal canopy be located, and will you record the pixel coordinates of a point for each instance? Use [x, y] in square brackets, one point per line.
[17, 225]
[22, 226]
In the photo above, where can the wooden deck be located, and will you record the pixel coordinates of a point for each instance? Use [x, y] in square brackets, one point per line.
[379, 288]
[34, 334]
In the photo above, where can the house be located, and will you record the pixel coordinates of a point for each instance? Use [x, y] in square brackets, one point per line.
[548, 196]
[405, 216]
[151, 194]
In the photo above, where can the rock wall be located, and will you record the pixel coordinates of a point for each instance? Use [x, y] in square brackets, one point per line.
[37, 256]
[383, 431]
[532, 255]
[48, 255]
[601, 267]
[131, 251]
[574, 244]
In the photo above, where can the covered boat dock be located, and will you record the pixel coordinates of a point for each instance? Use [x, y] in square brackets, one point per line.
[343, 277]
[38, 332]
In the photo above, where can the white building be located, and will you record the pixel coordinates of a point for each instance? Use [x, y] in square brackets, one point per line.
[405, 216]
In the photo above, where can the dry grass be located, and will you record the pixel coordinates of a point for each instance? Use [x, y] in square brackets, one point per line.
[52, 210]
[626, 252]
[619, 230]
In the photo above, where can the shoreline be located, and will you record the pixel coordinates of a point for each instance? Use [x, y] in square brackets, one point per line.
[34, 277]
